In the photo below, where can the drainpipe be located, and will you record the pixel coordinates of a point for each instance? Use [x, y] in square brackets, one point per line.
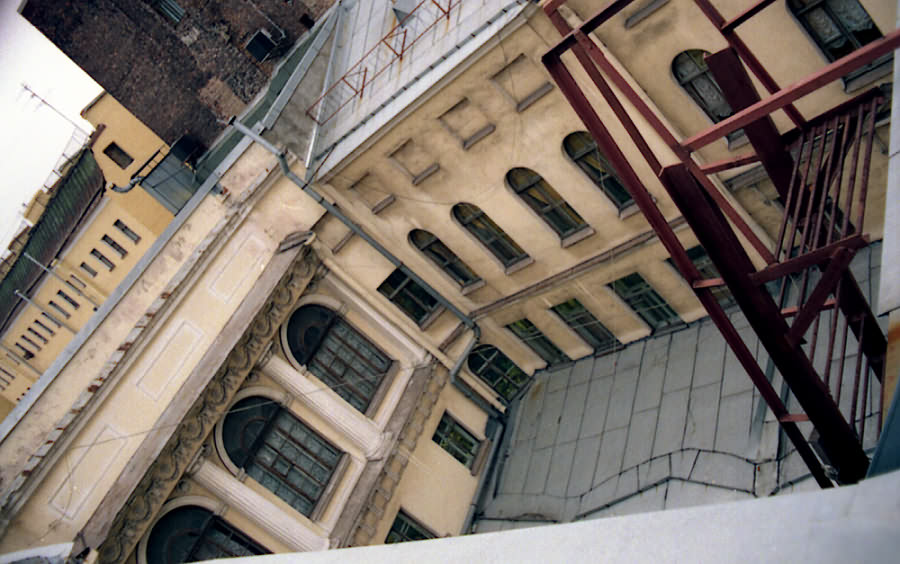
[358, 230]
[489, 470]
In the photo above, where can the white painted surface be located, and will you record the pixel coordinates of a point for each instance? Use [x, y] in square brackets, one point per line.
[849, 524]
[889, 292]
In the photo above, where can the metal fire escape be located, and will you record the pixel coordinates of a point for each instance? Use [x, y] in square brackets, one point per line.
[820, 170]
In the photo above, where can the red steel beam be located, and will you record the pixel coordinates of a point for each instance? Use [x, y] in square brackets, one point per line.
[589, 25]
[810, 259]
[839, 441]
[728, 164]
[730, 26]
[814, 304]
[738, 90]
[794, 92]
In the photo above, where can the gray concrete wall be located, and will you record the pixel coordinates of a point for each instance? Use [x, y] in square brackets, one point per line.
[669, 421]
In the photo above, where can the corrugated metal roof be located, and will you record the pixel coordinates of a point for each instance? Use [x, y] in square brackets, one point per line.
[70, 199]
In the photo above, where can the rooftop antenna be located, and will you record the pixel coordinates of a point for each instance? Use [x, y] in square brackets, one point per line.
[52, 107]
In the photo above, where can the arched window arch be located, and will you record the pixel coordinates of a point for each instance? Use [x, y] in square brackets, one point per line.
[543, 199]
[838, 27]
[336, 353]
[279, 451]
[491, 236]
[443, 257]
[693, 75]
[191, 533]
[581, 148]
[497, 370]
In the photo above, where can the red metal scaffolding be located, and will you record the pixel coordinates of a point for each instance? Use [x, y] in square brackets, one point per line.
[820, 170]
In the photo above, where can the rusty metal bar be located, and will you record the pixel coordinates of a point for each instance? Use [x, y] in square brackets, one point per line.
[830, 278]
[812, 258]
[825, 186]
[727, 164]
[790, 94]
[587, 26]
[712, 230]
[856, 375]
[779, 242]
[865, 401]
[730, 25]
[835, 201]
[851, 182]
[840, 375]
[832, 334]
[867, 161]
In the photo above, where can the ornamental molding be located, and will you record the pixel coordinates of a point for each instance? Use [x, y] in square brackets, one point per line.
[136, 515]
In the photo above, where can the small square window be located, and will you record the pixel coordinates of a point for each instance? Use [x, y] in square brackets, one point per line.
[260, 45]
[118, 155]
[406, 529]
[456, 440]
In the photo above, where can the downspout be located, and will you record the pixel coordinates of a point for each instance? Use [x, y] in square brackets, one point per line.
[358, 230]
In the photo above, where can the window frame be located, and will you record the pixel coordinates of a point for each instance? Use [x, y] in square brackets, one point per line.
[514, 263]
[704, 264]
[532, 337]
[445, 264]
[327, 488]
[702, 71]
[540, 196]
[431, 312]
[304, 364]
[643, 291]
[577, 158]
[446, 440]
[410, 522]
[505, 379]
[580, 327]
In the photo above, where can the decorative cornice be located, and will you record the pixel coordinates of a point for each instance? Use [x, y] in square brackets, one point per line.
[134, 518]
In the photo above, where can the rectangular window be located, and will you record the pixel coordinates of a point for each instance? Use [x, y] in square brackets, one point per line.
[60, 310]
[103, 260]
[69, 299]
[169, 9]
[452, 437]
[588, 327]
[127, 231]
[76, 282]
[406, 294]
[708, 270]
[537, 341]
[52, 320]
[26, 354]
[38, 336]
[87, 268]
[36, 346]
[111, 243]
[643, 299]
[406, 529]
[118, 155]
[40, 324]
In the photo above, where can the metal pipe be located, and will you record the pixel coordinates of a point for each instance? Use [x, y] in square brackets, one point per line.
[485, 475]
[53, 273]
[19, 358]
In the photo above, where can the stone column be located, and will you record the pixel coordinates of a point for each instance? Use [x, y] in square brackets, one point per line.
[361, 430]
[283, 526]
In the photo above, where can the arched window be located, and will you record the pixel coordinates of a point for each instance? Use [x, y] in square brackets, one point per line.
[497, 370]
[434, 249]
[337, 354]
[491, 236]
[582, 149]
[837, 26]
[191, 533]
[279, 451]
[693, 75]
[542, 198]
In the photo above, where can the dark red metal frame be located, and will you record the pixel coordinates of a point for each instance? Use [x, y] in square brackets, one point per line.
[816, 224]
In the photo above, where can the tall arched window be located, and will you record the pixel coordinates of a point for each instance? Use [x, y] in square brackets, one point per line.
[582, 149]
[191, 533]
[497, 370]
[542, 198]
[441, 255]
[337, 354]
[693, 75]
[279, 451]
[491, 236]
[837, 26]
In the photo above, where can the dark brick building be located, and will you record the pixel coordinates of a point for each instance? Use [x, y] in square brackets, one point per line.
[178, 65]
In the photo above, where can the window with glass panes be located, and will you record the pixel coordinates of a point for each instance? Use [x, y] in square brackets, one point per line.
[409, 296]
[588, 327]
[838, 27]
[456, 440]
[542, 198]
[191, 533]
[406, 529]
[582, 149]
[337, 354]
[443, 257]
[643, 299]
[489, 233]
[279, 451]
[537, 341]
[497, 370]
[708, 270]
[694, 76]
